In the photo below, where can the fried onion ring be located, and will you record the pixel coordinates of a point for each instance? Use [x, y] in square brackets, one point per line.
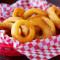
[18, 12]
[47, 20]
[13, 19]
[5, 25]
[53, 16]
[50, 23]
[30, 12]
[42, 25]
[15, 32]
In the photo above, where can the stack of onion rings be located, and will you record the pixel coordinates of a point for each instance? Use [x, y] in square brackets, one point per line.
[24, 27]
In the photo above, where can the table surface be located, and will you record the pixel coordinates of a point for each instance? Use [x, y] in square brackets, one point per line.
[24, 57]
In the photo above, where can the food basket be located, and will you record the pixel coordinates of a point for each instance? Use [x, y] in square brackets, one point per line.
[36, 49]
[7, 50]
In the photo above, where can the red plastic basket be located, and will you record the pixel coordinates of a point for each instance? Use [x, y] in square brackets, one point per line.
[7, 50]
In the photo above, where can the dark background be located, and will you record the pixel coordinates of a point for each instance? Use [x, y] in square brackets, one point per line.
[8, 1]
[57, 3]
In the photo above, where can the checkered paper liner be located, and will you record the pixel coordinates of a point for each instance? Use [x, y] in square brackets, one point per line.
[37, 49]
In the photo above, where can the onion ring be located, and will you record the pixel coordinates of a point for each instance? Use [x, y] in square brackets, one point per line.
[37, 29]
[18, 12]
[53, 16]
[5, 25]
[47, 20]
[15, 32]
[42, 25]
[30, 12]
[13, 19]
[50, 23]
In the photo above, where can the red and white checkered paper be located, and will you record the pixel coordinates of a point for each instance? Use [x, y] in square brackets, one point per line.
[37, 49]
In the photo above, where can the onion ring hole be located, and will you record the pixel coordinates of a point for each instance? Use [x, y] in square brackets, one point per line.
[24, 31]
